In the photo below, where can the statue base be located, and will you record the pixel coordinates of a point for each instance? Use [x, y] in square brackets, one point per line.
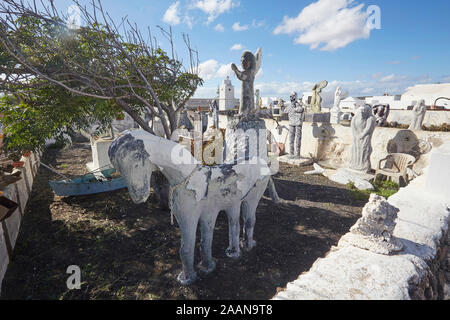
[246, 136]
[292, 160]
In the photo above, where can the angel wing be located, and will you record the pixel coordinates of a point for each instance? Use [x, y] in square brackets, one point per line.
[322, 85]
[258, 59]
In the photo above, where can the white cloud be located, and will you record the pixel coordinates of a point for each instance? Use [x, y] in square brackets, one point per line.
[224, 71]
[214, 8]
[207, 69]
[237, 47]
[331, 23]
[257, 24]
[172, 15]
[392, 84]
[237, 27]
[219, 28]
[212, 69]
[388, 78]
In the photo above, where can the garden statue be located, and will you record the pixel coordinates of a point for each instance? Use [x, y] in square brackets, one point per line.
[363, 125]
[197, 193]
[316, 100]
[381, 113]
[214, 112]
[336, 113]
[419, 111]
[295, 111]
[251, 64]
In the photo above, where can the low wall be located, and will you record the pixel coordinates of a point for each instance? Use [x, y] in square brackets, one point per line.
[330, 144]
[9, 229]
[432, 118]
[420, 271]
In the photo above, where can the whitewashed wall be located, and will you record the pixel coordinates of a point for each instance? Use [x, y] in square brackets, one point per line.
[334, 152]
[9, 229]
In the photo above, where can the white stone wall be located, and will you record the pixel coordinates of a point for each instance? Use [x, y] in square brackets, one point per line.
[334, 152]
[418, 272]
[435, 118]
[18, 192]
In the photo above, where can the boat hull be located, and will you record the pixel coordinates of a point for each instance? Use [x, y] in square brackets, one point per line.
[74, 188]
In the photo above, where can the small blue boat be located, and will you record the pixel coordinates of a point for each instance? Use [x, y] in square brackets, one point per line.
[91, 183]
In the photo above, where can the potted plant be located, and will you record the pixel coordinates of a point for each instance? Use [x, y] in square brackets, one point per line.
[120, 117]
[15, 157]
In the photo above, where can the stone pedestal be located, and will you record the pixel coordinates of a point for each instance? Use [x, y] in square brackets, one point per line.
[301, 162]
[245, 138]
[100, 158]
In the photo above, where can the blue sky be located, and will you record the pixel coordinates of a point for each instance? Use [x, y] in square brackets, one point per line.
[412, 46]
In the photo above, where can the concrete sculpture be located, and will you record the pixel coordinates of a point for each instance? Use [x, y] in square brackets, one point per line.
[214, 112]
[363, 125]
[316, 100]
[419, 111]
[197, 193]
[295, 111]
[336, 113]
[381, 113]
[251, 64]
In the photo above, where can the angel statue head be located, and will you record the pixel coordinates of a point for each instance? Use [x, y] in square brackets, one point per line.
[248, 60]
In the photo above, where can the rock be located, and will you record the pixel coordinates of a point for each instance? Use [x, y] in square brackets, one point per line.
[374, 231]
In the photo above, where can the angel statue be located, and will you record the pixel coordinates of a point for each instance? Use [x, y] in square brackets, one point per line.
[316, 100]
[251, 64]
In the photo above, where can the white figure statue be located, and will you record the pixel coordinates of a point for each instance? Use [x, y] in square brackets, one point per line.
[419, 111]
[251, 64]
[363, 126]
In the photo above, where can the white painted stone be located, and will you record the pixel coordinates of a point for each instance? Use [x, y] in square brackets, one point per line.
[300, 162]
[439, 172]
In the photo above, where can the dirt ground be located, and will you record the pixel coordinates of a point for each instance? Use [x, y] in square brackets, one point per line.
[129, 251]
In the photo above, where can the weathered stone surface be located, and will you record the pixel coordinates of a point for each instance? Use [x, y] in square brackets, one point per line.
[251, 64]
[374, 230]
[418, 111]
[197, 193]
[316, 100]
[245, 138]
[301, 162]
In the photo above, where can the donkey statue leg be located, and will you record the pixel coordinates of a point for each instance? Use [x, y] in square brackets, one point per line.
[188, 227]
[249, 206]
[207, 224]
[233, 213]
